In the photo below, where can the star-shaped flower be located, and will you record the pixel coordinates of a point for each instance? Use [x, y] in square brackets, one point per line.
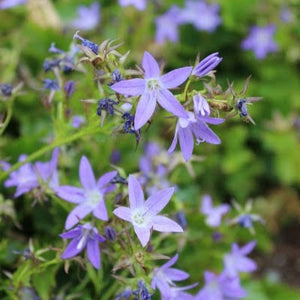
[237, 261]
[143, 214]
[84, 236]
[90, 198]
[213, 214]
[152, 88]
[88, 17]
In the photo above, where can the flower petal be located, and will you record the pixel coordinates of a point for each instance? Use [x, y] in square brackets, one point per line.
[248, 248]
[71, 249]
[176, 274]
[144, 110]
[93, 253]
[158, 201]
[131, 87]
[77, 214]
[123, 213]
[210, 120]
[206, 205]
[164, 224]
[70, 193]
[106, 178]
[170, 263]
[136, 195]
[71, 234]
[167, 100]
[176, 77]
[100, 211]
[150, 66]
[86, 174]
[186, 141]
[174, 142]
[202, 131]
[143, 235]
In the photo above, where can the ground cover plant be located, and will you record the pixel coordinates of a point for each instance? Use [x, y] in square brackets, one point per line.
[149, 149]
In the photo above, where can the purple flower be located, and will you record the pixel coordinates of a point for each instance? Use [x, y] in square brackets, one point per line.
[84, 236]
[237, 261]
[90, 198]
[286, 15]
[207, 64]
[220, 287]
[152, 88]
[167, 26]
[213, 214]
[88, 17]
[202, 15]
[195, 125]
[179, 293]
[4, 4]
[260, 40]
[143, 214]
[77, 121]
[165, 275]
[138, 4]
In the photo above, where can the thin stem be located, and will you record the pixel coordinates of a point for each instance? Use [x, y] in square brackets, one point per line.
[8, 116]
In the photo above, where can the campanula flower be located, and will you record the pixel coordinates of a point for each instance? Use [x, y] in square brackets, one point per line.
[195, 125]
[220, 287]
[77, 121]
[164, 277]
[142, 292]
[213, 214]
[84, 236]
[260, 41]
[143, 214]
[87, 43]
[50, 84]
[203, 16]
[179, 293]
[4, 4]
[138, 4]
[89, 198]
[6, 89]
[167, 26]
[88, 17]
[237, 261]
[152, 88]
[207, 64]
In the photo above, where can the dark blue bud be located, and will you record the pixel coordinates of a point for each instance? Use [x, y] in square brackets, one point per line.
[50, 84]
[142, 292]
[241, 105]
[116, 76]
[245, 221]
[217, 236]
[110, 233]
[181, 219]
[69, 88]
[107, 105]
[67, 64]
[6, 89]
[86, 43]
[50, 64]
[115, 157]
[128, 126]
[119, 179]
[56, 50]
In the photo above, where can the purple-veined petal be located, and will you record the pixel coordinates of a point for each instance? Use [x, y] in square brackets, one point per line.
[70, 193]
[150, 66]
[136, 195]
[71, 234]
[158, 201]
[143, 234]
[77, 214]
[93, 253]
[186, 142]
[144, 110]
[130, 87]
[100, 211]
[164, 224]
[176, 77]
[174, 142]
[106, 178]
[71, 249]
[167, 100]
[86, 174]
[176, 274]
[123, 213]
[202, 131]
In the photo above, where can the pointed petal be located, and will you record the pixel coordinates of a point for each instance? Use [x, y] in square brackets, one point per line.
[248, 248]
[100, 211]
[170, 263]
[131, 87]
[71, 234]
[176, 274]
[144, 110]
[123, 213]
[143, 235]
[71, 249]
[167, 100]
[150, 66]
[77, 214]
[186, 141]
[176, 77]
[158, 201]
[106, 178]
[206, 205]
[70, 193]
[210, 120]
[201, 130]
[164, 224]
[86, 174]
[136, 195]
[174, 142]
[93, 253]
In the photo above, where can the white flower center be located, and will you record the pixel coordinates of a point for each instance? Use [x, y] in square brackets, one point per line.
[93, 197]
[139, 218]
[183, 122]
[153, 84]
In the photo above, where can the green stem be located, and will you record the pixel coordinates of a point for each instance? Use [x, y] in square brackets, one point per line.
[8, 116]
[47, 148]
